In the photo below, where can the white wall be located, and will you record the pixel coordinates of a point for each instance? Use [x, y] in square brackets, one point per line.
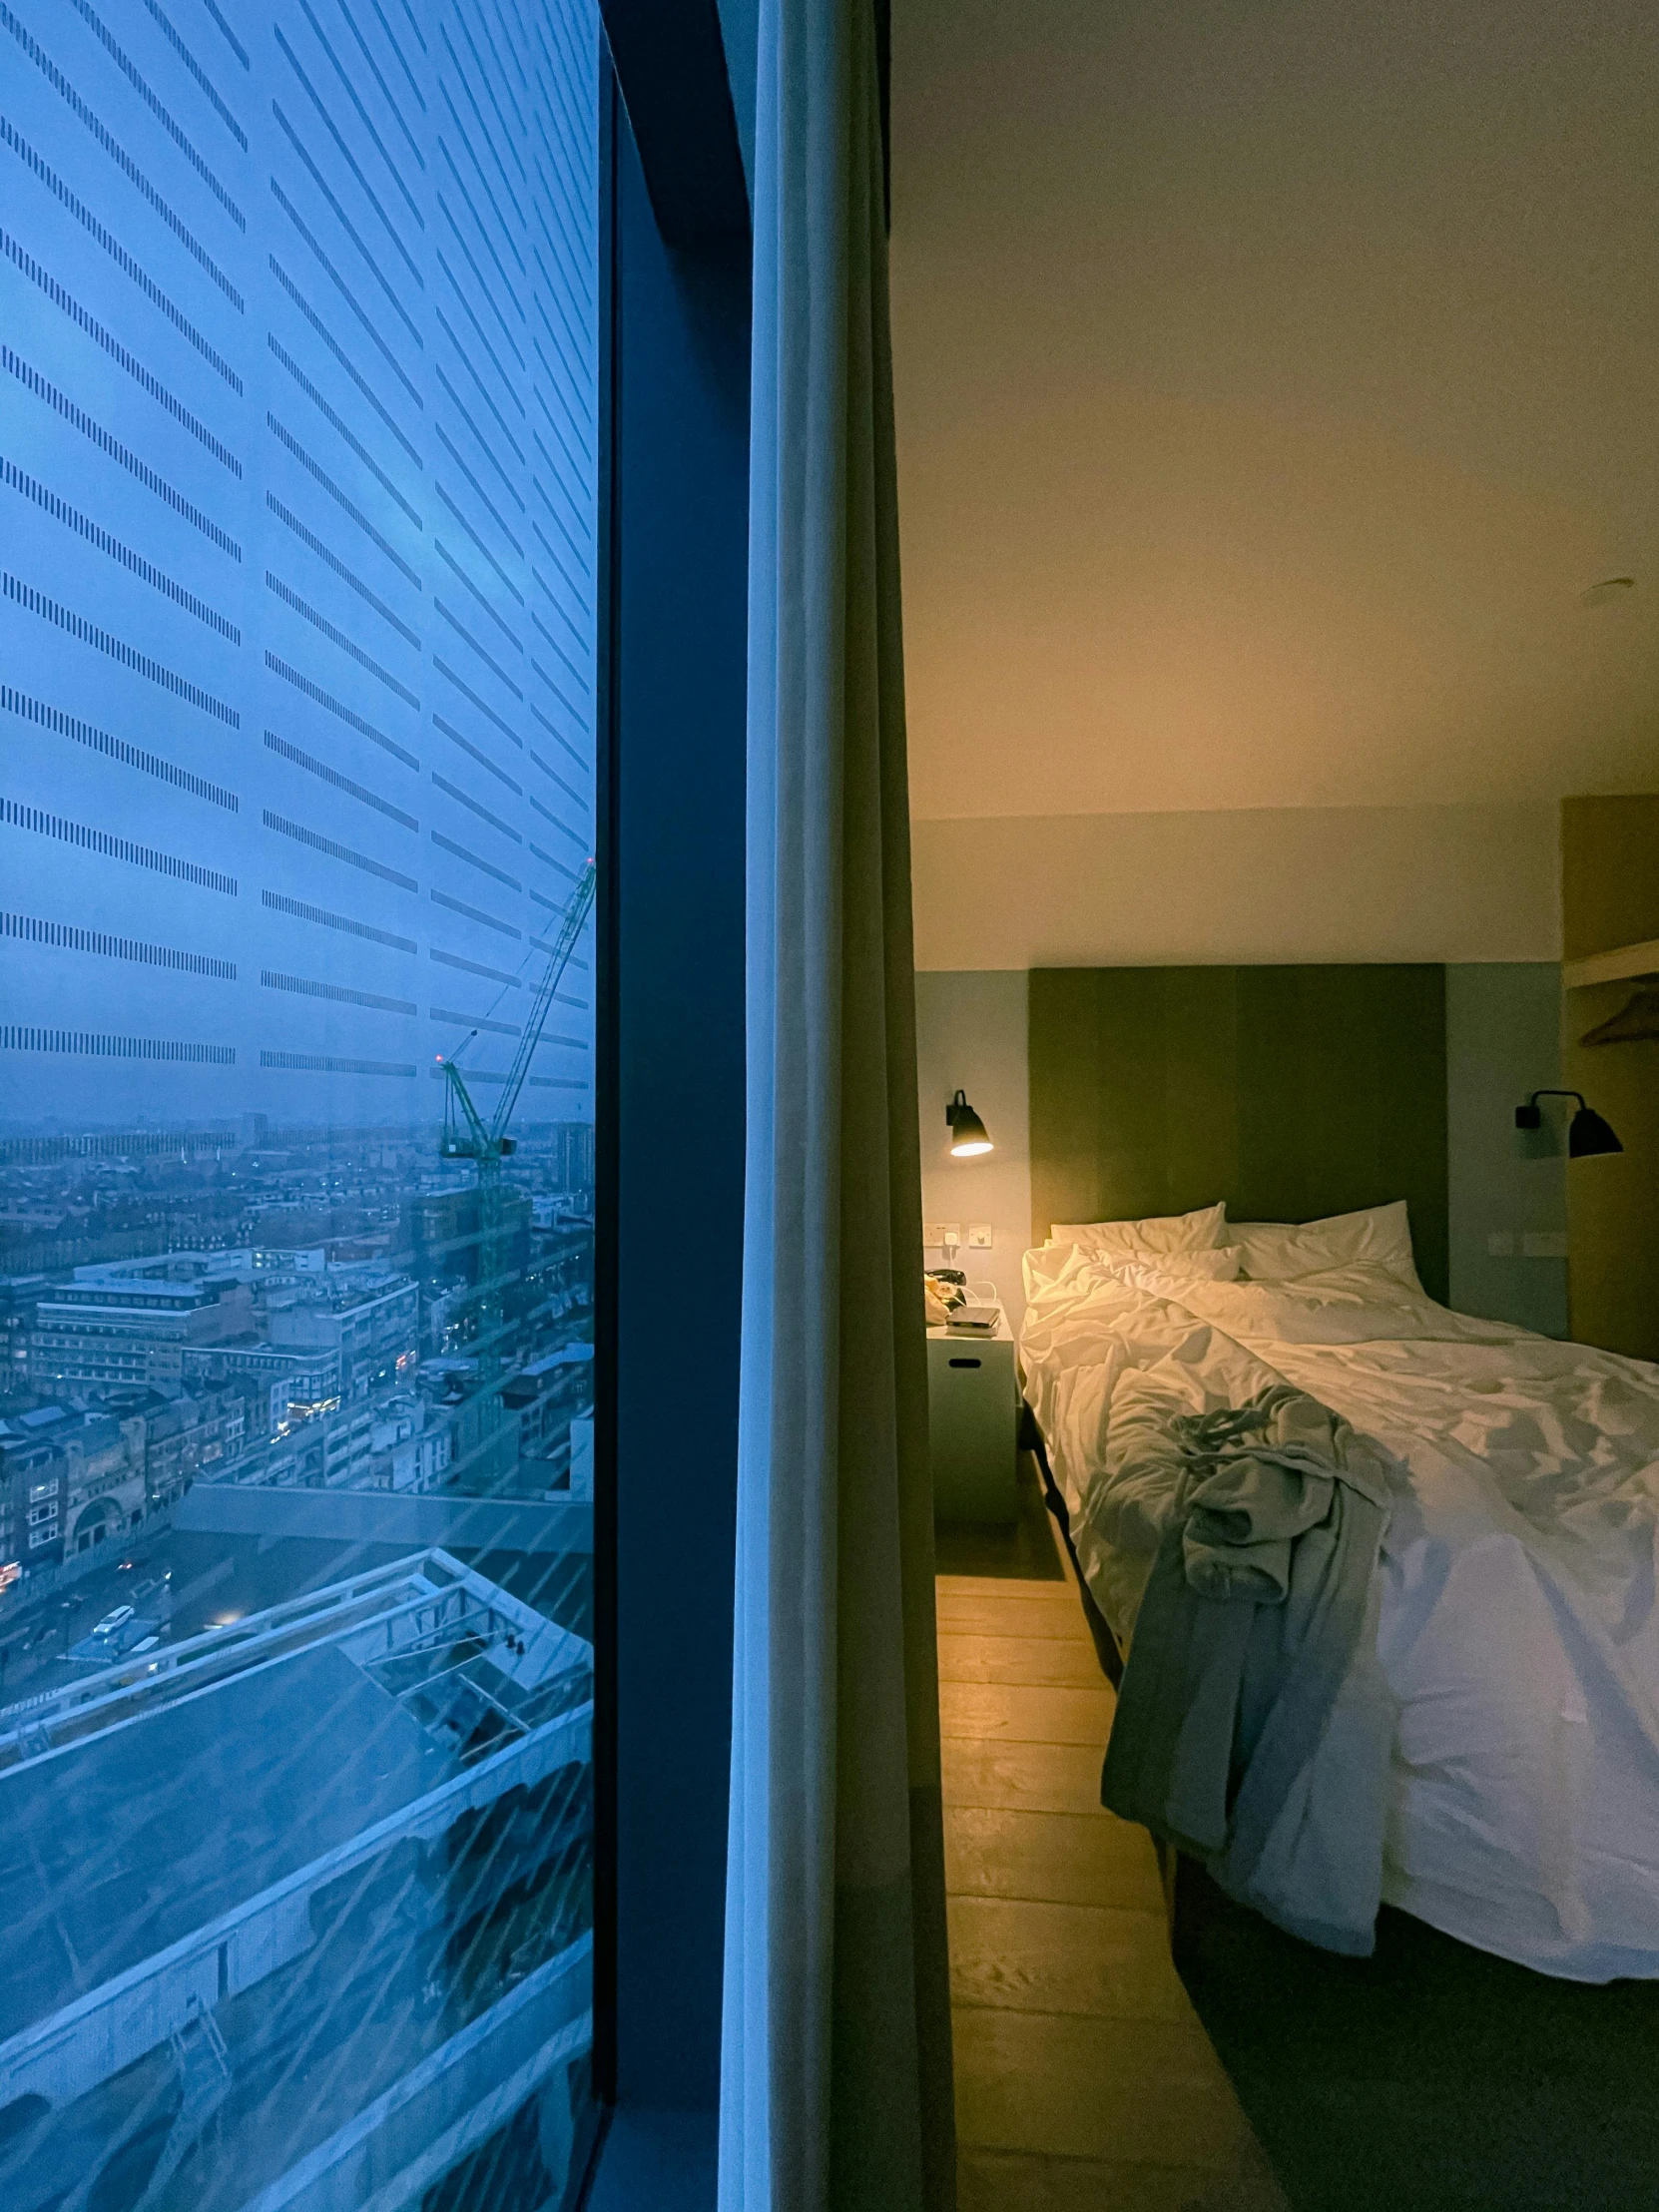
[1305, 883]
[971, 1036]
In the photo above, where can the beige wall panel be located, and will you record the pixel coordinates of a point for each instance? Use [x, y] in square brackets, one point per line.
[1293, 884]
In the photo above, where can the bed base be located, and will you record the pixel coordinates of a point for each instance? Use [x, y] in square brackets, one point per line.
[1107, 1649]
[1179, 1877]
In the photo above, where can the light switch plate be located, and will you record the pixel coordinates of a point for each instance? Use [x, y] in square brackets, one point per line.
[979, 1236]
[1544, 1244]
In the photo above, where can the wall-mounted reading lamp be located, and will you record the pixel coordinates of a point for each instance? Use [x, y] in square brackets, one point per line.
[968, 1135]
[1588, 1133]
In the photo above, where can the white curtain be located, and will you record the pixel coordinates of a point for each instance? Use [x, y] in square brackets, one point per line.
[837, 2073]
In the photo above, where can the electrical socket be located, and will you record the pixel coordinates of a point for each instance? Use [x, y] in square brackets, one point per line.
[1532, 1244]
[979, 1236]
[940, 1236]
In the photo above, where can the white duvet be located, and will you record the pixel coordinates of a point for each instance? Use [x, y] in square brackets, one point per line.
[1519, 1632]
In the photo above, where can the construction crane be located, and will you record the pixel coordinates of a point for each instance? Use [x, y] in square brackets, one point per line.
[466, 1135]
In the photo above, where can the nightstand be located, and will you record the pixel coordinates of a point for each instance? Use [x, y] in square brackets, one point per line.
[972, 1404]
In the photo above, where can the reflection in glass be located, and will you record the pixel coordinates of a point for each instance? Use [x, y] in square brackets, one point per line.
[297, 442]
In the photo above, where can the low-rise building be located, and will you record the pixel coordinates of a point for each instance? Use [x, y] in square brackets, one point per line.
[279, 1386]
[547, 1395]
[368, 1318]
[412, 1444]
[187, 1436]
[32, 1490]
[103, 1480]
[347, 1447]
[558, 1283]
[72, 1477]
[129, 1323]
[18, 1294]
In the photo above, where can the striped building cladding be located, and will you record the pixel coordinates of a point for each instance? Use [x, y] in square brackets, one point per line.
[298, 453]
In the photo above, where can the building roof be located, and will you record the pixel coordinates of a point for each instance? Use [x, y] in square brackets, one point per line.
[137, 1807]
[124, 1844]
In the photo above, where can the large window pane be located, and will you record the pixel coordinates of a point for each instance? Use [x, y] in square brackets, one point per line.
[297, 606]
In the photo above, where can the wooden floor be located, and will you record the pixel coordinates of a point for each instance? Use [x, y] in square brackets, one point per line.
[1084, 2081]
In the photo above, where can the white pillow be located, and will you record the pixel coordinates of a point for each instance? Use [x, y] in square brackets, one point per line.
[1221, 1264]
[1159, 1232]
[1149, 1271]
[1280, 1252]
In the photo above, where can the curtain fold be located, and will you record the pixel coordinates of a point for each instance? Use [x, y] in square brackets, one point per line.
[837, 2070]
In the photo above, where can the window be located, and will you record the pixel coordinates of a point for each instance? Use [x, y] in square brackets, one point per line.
[298, 603]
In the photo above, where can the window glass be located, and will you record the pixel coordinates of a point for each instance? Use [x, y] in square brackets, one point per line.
[297, 604]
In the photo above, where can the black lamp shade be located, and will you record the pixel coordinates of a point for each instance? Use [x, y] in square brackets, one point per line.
[1588, 1134]
[968, 1134]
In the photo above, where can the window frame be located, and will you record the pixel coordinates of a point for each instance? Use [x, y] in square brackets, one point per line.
[674, 425]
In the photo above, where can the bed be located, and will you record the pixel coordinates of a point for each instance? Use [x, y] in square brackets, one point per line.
[1519, 1630]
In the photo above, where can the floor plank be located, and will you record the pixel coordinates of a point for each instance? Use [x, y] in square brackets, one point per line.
[1023, 2181]
[1031, 1957]
[1009, 1588]
[1025, 1778]
[1084, 2081]
[1042, 1662]
[1050, 1858]
[1005, 1712]
[979, 1613]
[1084, 2088]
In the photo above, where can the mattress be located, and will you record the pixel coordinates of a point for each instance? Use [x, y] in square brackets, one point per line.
[1520, 1631]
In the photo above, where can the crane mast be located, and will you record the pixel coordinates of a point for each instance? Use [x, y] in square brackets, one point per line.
[467, 1136]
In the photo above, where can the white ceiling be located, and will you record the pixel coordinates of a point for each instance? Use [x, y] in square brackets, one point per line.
[1273, 377]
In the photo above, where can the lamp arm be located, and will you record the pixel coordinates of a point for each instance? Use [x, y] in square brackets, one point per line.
[1552, 1093]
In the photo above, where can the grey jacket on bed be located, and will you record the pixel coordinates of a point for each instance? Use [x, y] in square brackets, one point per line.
[1253, 1725]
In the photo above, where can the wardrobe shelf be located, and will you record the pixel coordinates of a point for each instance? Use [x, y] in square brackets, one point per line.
[1619, 966]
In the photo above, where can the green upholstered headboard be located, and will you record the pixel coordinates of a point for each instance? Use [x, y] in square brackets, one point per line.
[1290, 1092]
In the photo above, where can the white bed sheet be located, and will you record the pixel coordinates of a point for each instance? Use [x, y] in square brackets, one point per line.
[1520, 1627]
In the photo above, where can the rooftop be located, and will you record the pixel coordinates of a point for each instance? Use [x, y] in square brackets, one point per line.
[173, 1801]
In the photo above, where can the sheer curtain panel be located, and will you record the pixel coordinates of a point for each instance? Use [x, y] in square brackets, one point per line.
[836, 2077]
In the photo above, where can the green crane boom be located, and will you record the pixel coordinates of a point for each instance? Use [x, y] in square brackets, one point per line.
[467, 1136]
